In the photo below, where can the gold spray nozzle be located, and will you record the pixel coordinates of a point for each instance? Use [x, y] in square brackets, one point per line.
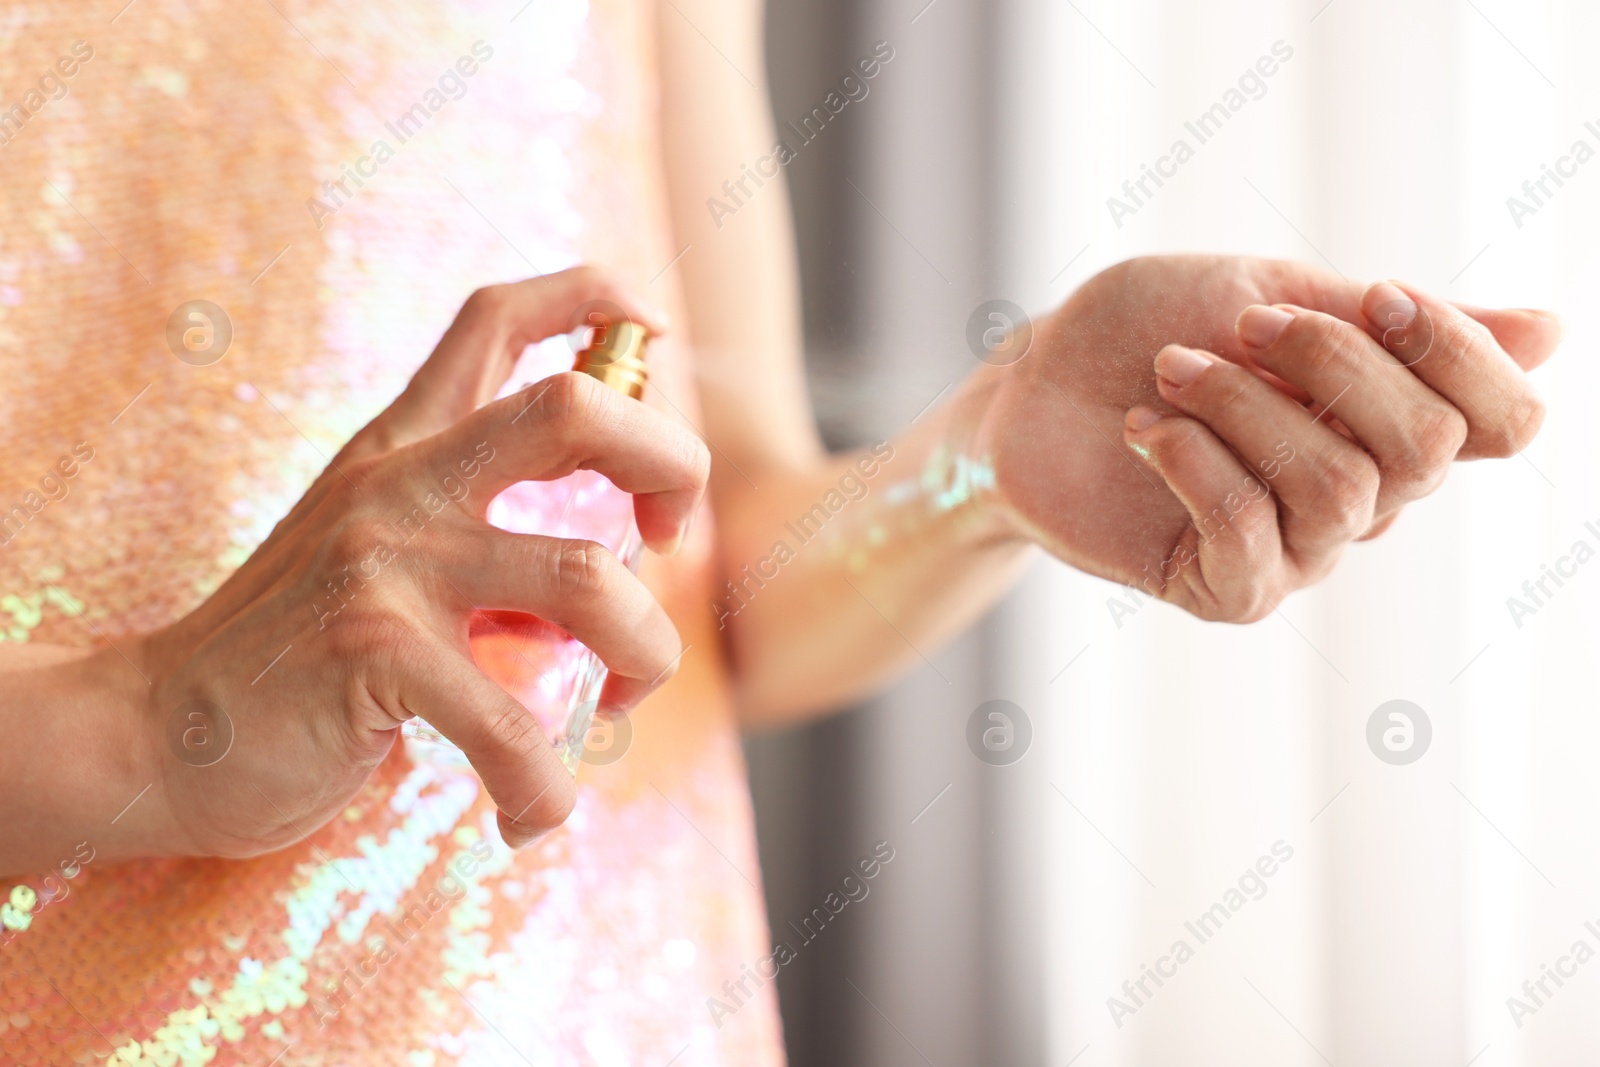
[616, 357]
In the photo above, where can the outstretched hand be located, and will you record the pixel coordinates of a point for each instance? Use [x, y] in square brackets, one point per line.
[1287, 412]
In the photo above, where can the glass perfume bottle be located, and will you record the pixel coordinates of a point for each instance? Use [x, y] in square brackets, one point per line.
[545, 668]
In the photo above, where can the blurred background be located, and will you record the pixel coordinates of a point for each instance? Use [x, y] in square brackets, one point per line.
[1422, 887]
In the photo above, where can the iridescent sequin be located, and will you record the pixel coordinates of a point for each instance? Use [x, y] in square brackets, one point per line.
[178, 168]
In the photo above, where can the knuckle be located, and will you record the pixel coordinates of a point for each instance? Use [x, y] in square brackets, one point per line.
[354, 639]
[1246, 608]
[353, 541]
[1259, 608]
[1248, 565]
[575, 401]
[1237, 604]
[1207, 607]
[373, 637]
[1349, 491]
[593, 404]
[559, 405]
[1524, 417]
[1430, 447]
[557, 396]
[510, 728]
[1258, 532]
[357, 470]
[1230, 388]
[358, 478]
[694, 458]
[486, 302]
[1324, 343]
[582, 569]
[1458, 337]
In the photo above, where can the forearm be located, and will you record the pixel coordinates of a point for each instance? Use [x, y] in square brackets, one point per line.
[885, 576]
[74, 760]
[840, 575]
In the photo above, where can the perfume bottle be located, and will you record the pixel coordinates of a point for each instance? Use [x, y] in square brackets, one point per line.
[545, 668]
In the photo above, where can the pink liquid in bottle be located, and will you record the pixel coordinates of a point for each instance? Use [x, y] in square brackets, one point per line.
[546, 669]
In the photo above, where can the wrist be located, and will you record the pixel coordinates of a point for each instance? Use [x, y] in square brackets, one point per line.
[83, 777]
[958, 476]
[123, 684]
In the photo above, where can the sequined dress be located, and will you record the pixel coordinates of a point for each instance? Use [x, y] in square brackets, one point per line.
[230, 153]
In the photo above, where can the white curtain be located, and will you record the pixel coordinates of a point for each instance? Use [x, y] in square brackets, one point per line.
[1172, 755]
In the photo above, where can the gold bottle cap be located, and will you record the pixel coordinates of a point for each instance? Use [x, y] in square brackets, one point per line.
[616, 357]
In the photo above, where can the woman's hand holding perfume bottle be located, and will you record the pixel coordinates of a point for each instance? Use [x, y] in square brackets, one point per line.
[268, 706]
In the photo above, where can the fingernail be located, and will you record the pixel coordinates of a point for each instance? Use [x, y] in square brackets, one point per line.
[523, 841]
[1141, 419]
[1387, 307]
[1180, 365]
[688, 528]
[1259, 325]
[1549, 316]
[674, 546]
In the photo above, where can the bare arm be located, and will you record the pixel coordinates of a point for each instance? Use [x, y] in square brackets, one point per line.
[838, 608]
[1168, 474]
[75, 769]
[178, 742]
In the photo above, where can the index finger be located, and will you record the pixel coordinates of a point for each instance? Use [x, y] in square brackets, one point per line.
[570, 422]
[481, 348]
[1527, 335]
[1461, 359]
